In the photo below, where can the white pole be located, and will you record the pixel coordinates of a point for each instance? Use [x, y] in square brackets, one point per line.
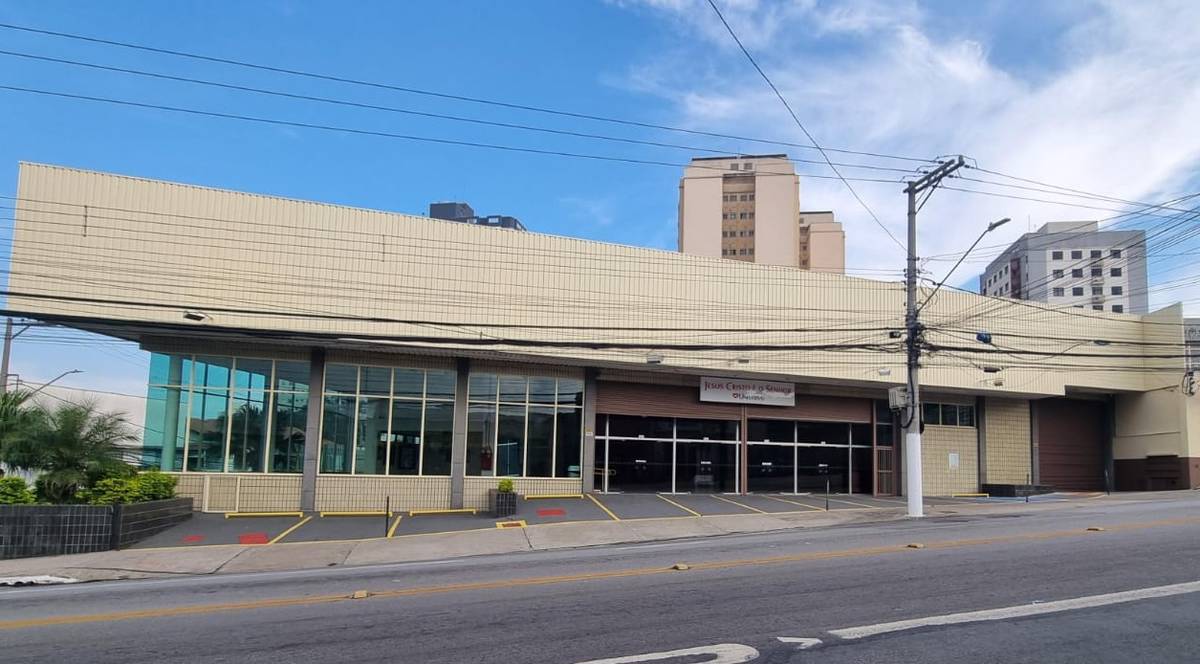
[912, 463]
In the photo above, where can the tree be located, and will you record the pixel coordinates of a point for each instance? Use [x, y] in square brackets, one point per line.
[18, 420]
[72, 446]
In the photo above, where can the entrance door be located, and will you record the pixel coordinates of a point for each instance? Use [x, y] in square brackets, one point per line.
[817, 463]
[639, 465]
[706, 467]
[1071, 443]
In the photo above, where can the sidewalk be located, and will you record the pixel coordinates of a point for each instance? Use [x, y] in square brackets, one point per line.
[230, 558]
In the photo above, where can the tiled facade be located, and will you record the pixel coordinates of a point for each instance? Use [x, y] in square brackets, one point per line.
[945, 475]
[1007, 441]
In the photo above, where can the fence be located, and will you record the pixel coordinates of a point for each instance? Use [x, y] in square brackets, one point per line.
[51, 530]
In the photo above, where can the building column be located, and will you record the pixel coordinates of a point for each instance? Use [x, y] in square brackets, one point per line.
[458, 445]
[1035, 474]
[587, 461]
[312, 430]
[981, 440]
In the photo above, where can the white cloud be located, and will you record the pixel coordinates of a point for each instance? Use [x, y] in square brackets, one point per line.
[1111, 108]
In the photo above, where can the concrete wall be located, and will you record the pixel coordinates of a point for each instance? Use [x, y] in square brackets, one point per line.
[1008, 443]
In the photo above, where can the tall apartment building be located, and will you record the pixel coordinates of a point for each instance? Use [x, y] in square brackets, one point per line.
[748, 208]
[456, 211]
[1072, 263]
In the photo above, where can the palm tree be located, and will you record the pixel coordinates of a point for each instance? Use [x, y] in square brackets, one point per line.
[18, 420]
[72, 446]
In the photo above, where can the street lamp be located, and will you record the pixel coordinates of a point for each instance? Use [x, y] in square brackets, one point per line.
[55, 380]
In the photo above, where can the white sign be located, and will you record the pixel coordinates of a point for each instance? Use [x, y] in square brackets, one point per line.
[953, 460]
[751, 392]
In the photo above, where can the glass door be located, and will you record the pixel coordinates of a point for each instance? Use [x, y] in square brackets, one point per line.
[639, 465]
[706, 467]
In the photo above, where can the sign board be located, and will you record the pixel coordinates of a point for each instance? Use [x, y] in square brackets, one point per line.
[749, 392]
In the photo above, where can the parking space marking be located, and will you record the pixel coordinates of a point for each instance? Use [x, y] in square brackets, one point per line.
[793, 502]
[685, 509]
[601, 506]
[511, 524]
[290, 530]
[734, 502]
[851, 502]
[395, 524]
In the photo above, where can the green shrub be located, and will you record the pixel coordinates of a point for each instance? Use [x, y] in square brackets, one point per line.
[153, 485]
[139, 488]
[505, 486]
[14, 491]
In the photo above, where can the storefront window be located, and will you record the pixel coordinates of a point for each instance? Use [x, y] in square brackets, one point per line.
[666, 454]
[399, 420]
[837, 452]
[524, 426]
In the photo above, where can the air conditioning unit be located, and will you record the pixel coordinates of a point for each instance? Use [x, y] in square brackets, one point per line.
[898, 398]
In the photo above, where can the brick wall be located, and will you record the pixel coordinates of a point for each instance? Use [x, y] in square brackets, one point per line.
[52, 530]
[1007, 441]
[937, 444]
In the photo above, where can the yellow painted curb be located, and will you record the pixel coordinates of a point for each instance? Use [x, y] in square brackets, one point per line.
[520, 523]
[236, 515]
[539, 496]
[289, 531]
[970, 495]
[368, 513]
[607, 511]
[464, 510]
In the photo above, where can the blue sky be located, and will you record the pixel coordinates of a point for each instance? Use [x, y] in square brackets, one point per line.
[1096, 95]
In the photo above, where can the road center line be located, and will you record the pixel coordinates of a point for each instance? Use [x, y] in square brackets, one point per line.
[1020, 611]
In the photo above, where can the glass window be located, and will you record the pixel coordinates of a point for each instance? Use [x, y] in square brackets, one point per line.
[371, 436]
[252, 374]
[1118, 308]
[567, 443]
[770, 468]
[860, 434]
[375, 381]
[1095, 253]
[540, 440]
[966, 416]
[510, 441]
[931, 413]
[1116, 272]
[409, 383]
[1056, 255]
[1097, 290]
[512, 389]
[439, 435]
[406, 438]
[1078, 290]
[440, 384]
[949, 415]
[291, 376]
[1058, 274]
[341, 378]
[1097, 272]
[541, 390]
[337, 434]
[1077, 254]
[1078, 272]
[481, 439]
[773, 431]
[212, 371]
[166, 427]
[289, 422]
[686, 429]
[829, 433]
[570, 392]
[482, 387]
[248, 430]
[632, 426]
[207, 427]
[166, 369]
[1118, 290]
[1115, 253]
[1059, 292]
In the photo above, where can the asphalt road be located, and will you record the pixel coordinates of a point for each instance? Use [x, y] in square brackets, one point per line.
[740, 595]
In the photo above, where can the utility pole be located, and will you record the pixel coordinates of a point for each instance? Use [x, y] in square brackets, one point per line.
[8, 339]
[912, 415]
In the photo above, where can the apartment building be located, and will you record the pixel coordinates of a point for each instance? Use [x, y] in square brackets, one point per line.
[1073, 264]
[747, 208]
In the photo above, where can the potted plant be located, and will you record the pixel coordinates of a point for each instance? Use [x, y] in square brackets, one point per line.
[503, 499]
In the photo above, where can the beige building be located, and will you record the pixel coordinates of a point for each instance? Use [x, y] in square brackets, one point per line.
[312, 356]
[747, 208]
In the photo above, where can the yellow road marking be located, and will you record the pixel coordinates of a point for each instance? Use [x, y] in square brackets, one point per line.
[851, 502]
[463, 510]
[601, 506]
[395, 525]
[520, 523]
[793, 502]
[538, 496]
[692, 512]
[287, 532]
[368, 513]
[734, 502]
[570, 578]
[234, 515]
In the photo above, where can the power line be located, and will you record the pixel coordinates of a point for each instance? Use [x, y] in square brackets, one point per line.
[713, 4]
[431, 93]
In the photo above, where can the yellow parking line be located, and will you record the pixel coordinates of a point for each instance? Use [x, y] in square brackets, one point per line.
[289, 531]
[734, 502]
[793, 502]
[601, 506]
[851, 502]
[692, 512]
[395, 525]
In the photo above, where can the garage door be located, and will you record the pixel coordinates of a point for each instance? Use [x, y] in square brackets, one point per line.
[1071, 444]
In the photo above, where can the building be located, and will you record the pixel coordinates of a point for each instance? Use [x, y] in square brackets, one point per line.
[464, 213]
[1073, 264]
[319, 357]
[748, 208]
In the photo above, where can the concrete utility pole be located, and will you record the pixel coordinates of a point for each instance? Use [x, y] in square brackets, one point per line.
[912, 415]
[8, 339]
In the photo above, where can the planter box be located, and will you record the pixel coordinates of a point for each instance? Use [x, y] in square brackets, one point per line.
[502, 504]
[49, 530]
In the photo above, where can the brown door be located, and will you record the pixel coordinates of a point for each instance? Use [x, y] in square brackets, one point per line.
[1071, 444]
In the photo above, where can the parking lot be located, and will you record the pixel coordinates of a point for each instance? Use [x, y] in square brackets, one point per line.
[214, 529]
